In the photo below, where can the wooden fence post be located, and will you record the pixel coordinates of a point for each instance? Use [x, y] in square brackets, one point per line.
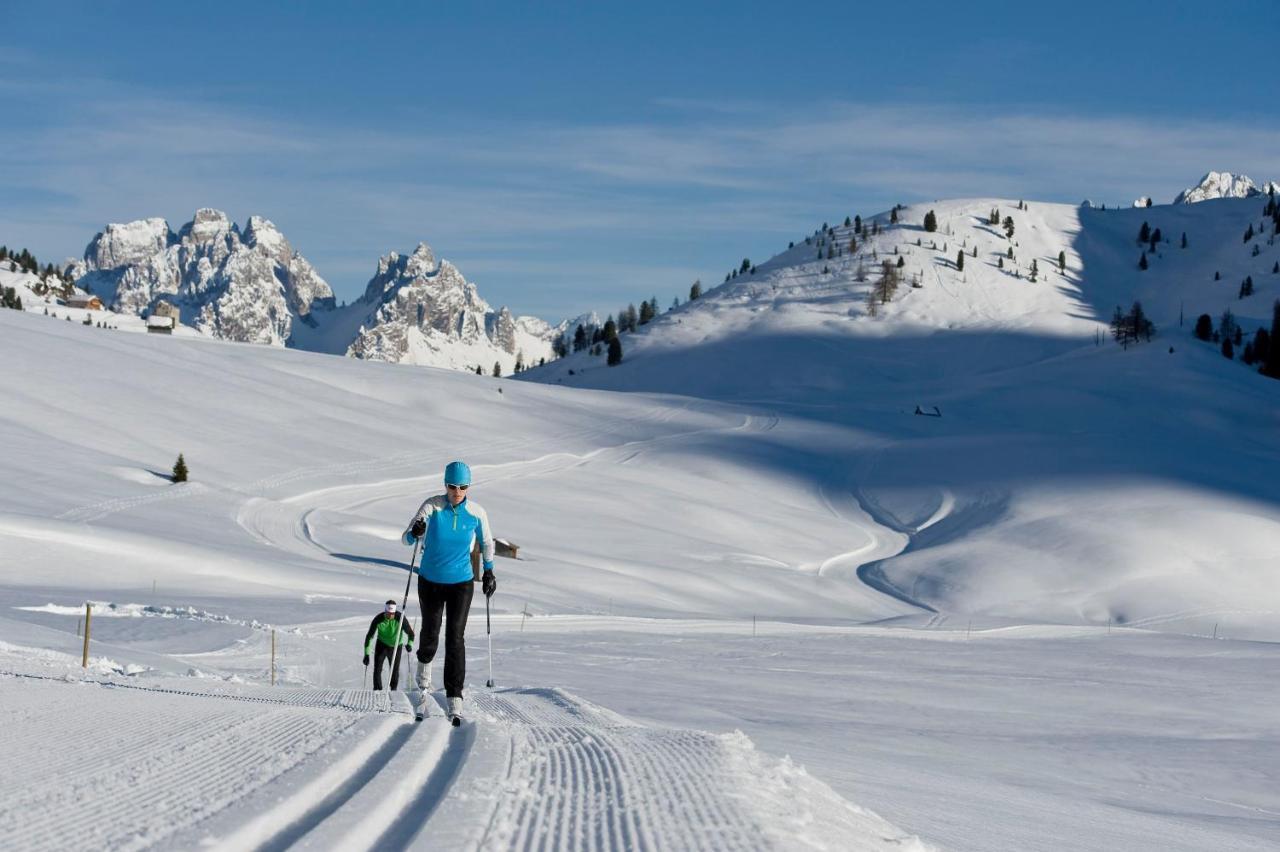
[84, 660]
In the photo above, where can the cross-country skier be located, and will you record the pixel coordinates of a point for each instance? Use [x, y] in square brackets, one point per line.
[449, 525]
[386, 626]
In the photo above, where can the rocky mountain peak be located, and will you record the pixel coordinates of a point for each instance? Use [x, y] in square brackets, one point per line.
[1219, 185]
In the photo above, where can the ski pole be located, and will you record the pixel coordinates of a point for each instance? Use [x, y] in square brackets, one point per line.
[413, 569]
[488, 631]
[364, 684]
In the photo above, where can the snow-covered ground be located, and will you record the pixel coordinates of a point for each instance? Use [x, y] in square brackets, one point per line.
[777, 610]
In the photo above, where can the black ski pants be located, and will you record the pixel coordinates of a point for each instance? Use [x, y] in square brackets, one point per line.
[453, 601]
[385, 654]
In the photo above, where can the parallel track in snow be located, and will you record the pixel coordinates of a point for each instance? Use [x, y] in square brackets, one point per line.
[580, 778]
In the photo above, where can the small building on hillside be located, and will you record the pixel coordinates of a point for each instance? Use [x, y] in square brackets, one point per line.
[164, 309]
[85, 300]
[160, 325]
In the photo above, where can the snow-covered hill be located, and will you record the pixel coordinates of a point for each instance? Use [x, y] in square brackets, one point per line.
[1036, 488]
[957, 555]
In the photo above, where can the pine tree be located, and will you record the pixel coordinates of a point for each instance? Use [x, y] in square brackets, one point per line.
[857, 225]
[1261, 345]
[902, 261]
[930, 222]
[615, 352]
[1155, 238]
[1062, 261]
[893, 215]
[610, 330]
[1184, 239]
[1248, 235]
[1000, 262]
[520, 361]
[1120, 328]
[480, 372]
[497, 370]
[579, 339]
[1246, 286]
[695, 291]
[1008, 227]
[1228, 351]
[1271, 366]
[1144, 233]
[646, 313]
[960, 260]
[847, 223]
[180, 469]
[853, 244]
[1227, 324]
[1142, 261]
[1009, 254]
[1204, 327]
[1217, 276]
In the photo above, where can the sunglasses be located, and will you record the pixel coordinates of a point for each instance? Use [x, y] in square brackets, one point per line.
[458, 487]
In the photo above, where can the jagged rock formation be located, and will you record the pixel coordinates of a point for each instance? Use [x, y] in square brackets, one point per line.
[1223, 185]
[423, 311]
[248, 286]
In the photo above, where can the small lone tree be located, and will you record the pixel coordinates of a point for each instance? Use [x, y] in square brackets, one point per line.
[930, 222]
[1062, 261]
[1228, 351]
[1144, 233]
[180, 469]
[497, 370]
[960, 260]
[1008, 227]
[1142, 261]
[615, 352]
[1184, 239]
[695, 290]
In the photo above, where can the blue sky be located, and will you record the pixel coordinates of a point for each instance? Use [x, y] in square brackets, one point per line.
[575, 157]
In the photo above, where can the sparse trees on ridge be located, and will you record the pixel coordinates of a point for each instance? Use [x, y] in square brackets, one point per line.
[1131, 327]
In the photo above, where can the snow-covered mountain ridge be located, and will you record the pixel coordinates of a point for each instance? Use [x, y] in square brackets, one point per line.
[1030, 402]
[1224, 185]
[251, 286]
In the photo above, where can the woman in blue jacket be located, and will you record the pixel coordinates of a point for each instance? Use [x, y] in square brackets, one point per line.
[449, 526]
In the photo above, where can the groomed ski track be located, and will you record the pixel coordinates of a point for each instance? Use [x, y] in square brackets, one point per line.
[249, 767]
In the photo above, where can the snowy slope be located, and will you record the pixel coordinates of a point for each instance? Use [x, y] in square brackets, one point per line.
[915, 609]
[1030, 496]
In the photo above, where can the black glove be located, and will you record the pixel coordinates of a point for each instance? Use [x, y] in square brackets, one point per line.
[366, 659]
[418, 528]
[409, 649]
[489, 584]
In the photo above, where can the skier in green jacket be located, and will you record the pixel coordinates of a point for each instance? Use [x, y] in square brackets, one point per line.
[386, 625]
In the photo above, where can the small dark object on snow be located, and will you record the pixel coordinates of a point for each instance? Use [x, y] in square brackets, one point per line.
[180, 469]
[935, 413]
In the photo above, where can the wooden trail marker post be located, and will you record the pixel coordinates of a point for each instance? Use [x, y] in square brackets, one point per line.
[84, 660]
